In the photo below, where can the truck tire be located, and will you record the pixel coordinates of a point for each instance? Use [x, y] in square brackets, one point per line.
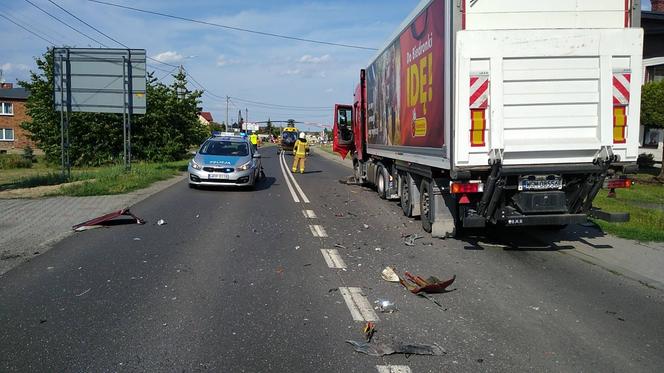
[382, 182]
[426, 211]
[406, 195]
[357, 171]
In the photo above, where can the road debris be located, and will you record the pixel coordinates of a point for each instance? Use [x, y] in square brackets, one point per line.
[385, 306]
[161, 222]
[83, 293]
[382, 349]
[409, 240]
[366, 226]
[332, 290]
[431, 285]
[339, 246]
[369, 330]
[98, 222]
[378, 249]
[137, 238]
[390, 275]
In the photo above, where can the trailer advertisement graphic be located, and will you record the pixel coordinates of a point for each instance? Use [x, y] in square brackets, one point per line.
[405, 85]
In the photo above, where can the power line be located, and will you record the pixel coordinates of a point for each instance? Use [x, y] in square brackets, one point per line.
[106, 35]
[27, 29]
[64, 23]
[278, 105]
[232, 27]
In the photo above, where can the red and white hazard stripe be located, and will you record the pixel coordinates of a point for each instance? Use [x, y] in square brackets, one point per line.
[621, 82]
[479, 92]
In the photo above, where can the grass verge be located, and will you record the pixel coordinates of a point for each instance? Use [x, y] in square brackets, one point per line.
[645, 204]
[96, 181]
[114, 180]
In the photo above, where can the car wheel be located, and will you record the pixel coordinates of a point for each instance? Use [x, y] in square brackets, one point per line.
[425, 205]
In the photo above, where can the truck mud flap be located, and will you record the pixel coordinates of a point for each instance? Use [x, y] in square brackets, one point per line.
[611, 217]
[549, 219]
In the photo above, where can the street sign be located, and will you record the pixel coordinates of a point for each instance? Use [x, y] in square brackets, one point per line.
[100, 80]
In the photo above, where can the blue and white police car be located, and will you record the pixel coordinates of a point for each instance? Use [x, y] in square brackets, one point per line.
[225, 161]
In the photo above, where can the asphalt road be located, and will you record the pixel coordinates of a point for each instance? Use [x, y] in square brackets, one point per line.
[236, 281]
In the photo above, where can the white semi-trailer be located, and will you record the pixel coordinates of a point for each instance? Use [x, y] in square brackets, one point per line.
[504, 112]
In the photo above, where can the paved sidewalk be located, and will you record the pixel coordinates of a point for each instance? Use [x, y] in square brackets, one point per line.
[31, 226]
[640, 261]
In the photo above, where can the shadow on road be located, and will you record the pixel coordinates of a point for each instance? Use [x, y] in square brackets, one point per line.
[264, 184]
[532, 238]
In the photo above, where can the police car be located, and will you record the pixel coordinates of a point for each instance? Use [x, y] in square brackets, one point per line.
[225, 161]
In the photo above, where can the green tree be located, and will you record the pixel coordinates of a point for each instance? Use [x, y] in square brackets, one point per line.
[652, 109]
[167, 130]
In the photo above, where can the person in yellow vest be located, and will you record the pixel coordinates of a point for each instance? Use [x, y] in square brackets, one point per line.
[254, 140]
[299, 152]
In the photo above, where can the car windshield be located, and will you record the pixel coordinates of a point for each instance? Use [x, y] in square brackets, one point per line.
[291, 136]
[228, 148]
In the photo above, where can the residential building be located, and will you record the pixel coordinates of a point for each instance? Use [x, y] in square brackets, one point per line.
[13, 139]
[205, 117]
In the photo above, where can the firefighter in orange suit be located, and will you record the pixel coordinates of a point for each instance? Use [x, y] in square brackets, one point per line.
[299, 152]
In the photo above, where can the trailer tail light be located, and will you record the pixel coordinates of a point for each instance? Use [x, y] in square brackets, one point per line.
[462, 188]
[619, 124]
[478, 104]
[621, 83]
[619, 183]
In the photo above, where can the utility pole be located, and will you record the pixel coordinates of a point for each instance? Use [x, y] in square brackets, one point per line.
[246, 114]
[227, 122]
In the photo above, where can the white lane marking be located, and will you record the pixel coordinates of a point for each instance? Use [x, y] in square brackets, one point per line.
[357, 303]
[393, 369]
[297, 186]
[318, 231]
[332, 258]
[309, 214]
[290, 187]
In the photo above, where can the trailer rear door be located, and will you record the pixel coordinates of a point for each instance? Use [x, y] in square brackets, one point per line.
[543, 96]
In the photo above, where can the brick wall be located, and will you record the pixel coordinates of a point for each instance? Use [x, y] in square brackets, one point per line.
[21, 139]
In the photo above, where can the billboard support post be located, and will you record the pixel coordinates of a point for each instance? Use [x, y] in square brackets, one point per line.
[124, 112]
[130, 108]
[62, 126]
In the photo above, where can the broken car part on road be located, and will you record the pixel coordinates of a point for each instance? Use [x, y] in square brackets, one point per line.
[98, 222]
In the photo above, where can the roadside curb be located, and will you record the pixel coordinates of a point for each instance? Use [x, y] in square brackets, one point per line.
[335, 158]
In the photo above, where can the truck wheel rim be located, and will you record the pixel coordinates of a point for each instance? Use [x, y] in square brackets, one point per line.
[405, 193]
[381, 183]
[426, 210]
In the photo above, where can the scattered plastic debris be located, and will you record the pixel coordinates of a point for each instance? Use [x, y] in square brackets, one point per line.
[83, 293]
[297, 248]
[378, 249]
[366, 226]
[97, 222]
[339, 246]
[369, 330]
[390, 275]
[409, 240]
[385, 306]
[161, 222]
[430, 285]
[198, 216]
[137, 238]
[382, 349]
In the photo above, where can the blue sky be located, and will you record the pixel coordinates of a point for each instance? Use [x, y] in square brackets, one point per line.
[241, 65]
[226, 62]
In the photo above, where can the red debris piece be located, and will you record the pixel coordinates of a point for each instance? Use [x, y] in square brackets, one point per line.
[430, 285]
[102, 219]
